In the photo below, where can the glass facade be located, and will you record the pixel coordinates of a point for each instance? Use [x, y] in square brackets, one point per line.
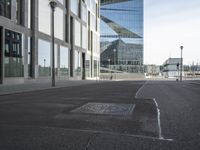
[5, 8]
[44, 24]
[74, 6]
[44, 61]
[29, 56]
[88, 66]
[77, 63]
[95, 68]
[93, 6]
[76, 39]
[84, 37]
[84, 13]
[13, 61]
[59, 24]
[55, 58]
[122, 35]
[64, 61]
[19, 12]
[29, 13]
[77, 33]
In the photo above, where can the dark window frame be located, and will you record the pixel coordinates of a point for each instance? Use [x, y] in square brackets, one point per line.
[14, 44]
[5, 8]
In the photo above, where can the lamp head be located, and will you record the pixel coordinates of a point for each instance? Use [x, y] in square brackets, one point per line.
[53, 4]
[181, 47]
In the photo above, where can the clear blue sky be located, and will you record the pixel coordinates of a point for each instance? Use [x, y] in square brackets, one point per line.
[168, 24]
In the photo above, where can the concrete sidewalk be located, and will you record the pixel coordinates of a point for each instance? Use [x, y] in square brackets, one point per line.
[41, 85]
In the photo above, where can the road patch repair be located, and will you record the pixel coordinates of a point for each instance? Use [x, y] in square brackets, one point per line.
[106, 108]
[137, 119]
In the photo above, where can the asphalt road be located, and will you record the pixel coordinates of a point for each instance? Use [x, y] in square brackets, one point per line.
[125, 115]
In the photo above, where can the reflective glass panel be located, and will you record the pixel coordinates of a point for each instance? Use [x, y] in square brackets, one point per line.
[29, 13]
[44, 16]
[87, 66]
[122, 30]
[44, 58]
[59, 23]
[84, 37]
[64, 61]
[5, 8]
[74, 6]
[77, 63]
[84, 13]
[77, 33]
[13, 60]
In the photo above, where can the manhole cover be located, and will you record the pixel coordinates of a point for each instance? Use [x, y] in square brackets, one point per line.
[106, 108]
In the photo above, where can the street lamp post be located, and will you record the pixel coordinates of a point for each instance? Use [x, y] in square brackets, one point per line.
[44, 62]
[114, 51]
[44, 66]
[109, 65]
[53, 4]
[181, 69]
[177, 66]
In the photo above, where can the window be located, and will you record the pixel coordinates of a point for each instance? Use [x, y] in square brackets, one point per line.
[59, 23]
[19, 10]
[74, 6]
[44, 16]
[5, 8]
[29, 57]
[77, 33]
[77, 63]
[84, 14]
[13, 54]
[84, 37]
[13, 44]
[93, 22]
[95, 68]
[88, 66]
[29, 13]
[64, 61]
[93, 6]
[44, 60]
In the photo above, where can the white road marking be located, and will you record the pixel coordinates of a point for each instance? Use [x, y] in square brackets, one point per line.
[158, 114]
[136, 95]
[158, 117]
[159, 122]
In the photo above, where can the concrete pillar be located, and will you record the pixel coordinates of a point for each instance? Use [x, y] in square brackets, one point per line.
[34, 39]
[1, 55]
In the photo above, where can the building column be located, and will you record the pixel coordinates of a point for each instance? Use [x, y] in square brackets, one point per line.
[1, 55]
[34, 39]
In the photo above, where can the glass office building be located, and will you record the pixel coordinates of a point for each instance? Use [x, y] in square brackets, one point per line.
[122, 35]
[25, 40]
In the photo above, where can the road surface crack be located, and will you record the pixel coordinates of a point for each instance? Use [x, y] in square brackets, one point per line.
[90, 140]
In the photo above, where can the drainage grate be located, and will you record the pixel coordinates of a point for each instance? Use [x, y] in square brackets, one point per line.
[106, 108]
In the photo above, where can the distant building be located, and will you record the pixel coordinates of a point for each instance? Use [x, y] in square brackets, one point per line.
[122, 35]
[152, 70]
[25, 40]
[122, 56]
[192, 70]
[171, 67]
